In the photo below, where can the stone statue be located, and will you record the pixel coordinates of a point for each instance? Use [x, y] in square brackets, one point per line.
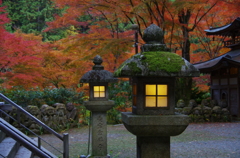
[49, 117]
[61, 117]
[71, 111]
[34, 110]
[180, 103]
[192, 103]
[213, 103]
[205, 102]
[43, 111]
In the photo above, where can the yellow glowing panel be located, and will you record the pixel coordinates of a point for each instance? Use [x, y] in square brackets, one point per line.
[95, 88]
[96, 94]
[150, 89]
[101, 94]
[150, 101]
[98, 91]
[162, 90]
[162, 102]
[102, 88]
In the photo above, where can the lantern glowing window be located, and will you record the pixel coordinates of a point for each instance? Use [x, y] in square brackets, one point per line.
[156, 95]
[98, 91]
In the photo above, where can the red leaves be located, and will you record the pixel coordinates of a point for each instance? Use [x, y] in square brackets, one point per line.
[26, 60]
[19, 62]
[202, 82]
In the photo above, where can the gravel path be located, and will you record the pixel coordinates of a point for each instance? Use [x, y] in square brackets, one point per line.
[208, 140]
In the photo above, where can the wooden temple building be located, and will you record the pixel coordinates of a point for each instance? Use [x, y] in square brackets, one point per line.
[225, 69]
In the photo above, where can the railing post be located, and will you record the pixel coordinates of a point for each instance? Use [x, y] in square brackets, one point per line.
[65, 145]
[39, 143]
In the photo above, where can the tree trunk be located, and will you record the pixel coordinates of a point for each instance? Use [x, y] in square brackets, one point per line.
[184, 85]
[184, 17]
[186, 44]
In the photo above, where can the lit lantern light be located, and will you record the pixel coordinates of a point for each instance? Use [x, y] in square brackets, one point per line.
[156, 95]
[153, 73]
[98, 80]
[99, 92]
[153, 95]
[98, 104]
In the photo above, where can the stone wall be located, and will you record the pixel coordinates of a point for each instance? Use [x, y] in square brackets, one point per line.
[207, 111]
[58, 117]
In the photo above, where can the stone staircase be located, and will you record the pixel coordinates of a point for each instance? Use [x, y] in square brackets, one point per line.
[10, 148]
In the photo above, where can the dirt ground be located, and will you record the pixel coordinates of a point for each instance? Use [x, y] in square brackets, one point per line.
[208, 140]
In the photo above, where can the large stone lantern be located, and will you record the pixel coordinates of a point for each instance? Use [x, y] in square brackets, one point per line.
[153, 73]
[98, 104]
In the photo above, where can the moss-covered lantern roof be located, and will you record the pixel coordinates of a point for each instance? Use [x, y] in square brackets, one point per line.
[155, 59]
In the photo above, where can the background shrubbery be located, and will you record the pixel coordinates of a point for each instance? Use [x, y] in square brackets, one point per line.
[47, 96]
[120, 92]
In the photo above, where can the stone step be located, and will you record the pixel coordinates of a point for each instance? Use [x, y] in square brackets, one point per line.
[8, 147]
[23, 153]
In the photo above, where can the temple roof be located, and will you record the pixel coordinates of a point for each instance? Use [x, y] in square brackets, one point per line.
[232, 57]
[226, 30]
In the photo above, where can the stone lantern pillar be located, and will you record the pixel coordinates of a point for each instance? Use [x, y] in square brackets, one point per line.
[98, 104]
[153, 73]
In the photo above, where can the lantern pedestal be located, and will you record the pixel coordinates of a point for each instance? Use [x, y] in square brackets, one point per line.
[153, 132]
[99, 127]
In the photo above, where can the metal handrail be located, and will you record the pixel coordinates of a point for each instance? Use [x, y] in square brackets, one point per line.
[18, 138]
[39, 138]
[63, 137]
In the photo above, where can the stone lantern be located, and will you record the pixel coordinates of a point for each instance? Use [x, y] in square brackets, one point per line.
[153, 73]
[98, 104]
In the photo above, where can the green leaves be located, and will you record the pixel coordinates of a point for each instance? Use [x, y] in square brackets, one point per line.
[39, 97]
[29, 15]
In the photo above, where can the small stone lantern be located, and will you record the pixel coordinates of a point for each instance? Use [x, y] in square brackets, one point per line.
[153, 73]
[98, 104]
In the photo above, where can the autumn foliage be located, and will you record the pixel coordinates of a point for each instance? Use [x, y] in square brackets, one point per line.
[103, 27]
[19, 62]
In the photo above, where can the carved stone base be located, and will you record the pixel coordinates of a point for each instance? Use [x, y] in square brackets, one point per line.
[153, 132]
[99, 127]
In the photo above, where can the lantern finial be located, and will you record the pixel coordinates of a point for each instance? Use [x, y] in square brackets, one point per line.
[153, 36]
[97, 61]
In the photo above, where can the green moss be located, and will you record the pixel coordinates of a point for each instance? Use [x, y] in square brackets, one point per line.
[134, 68]
[119, 70]
[151, 61]
[161, 60]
